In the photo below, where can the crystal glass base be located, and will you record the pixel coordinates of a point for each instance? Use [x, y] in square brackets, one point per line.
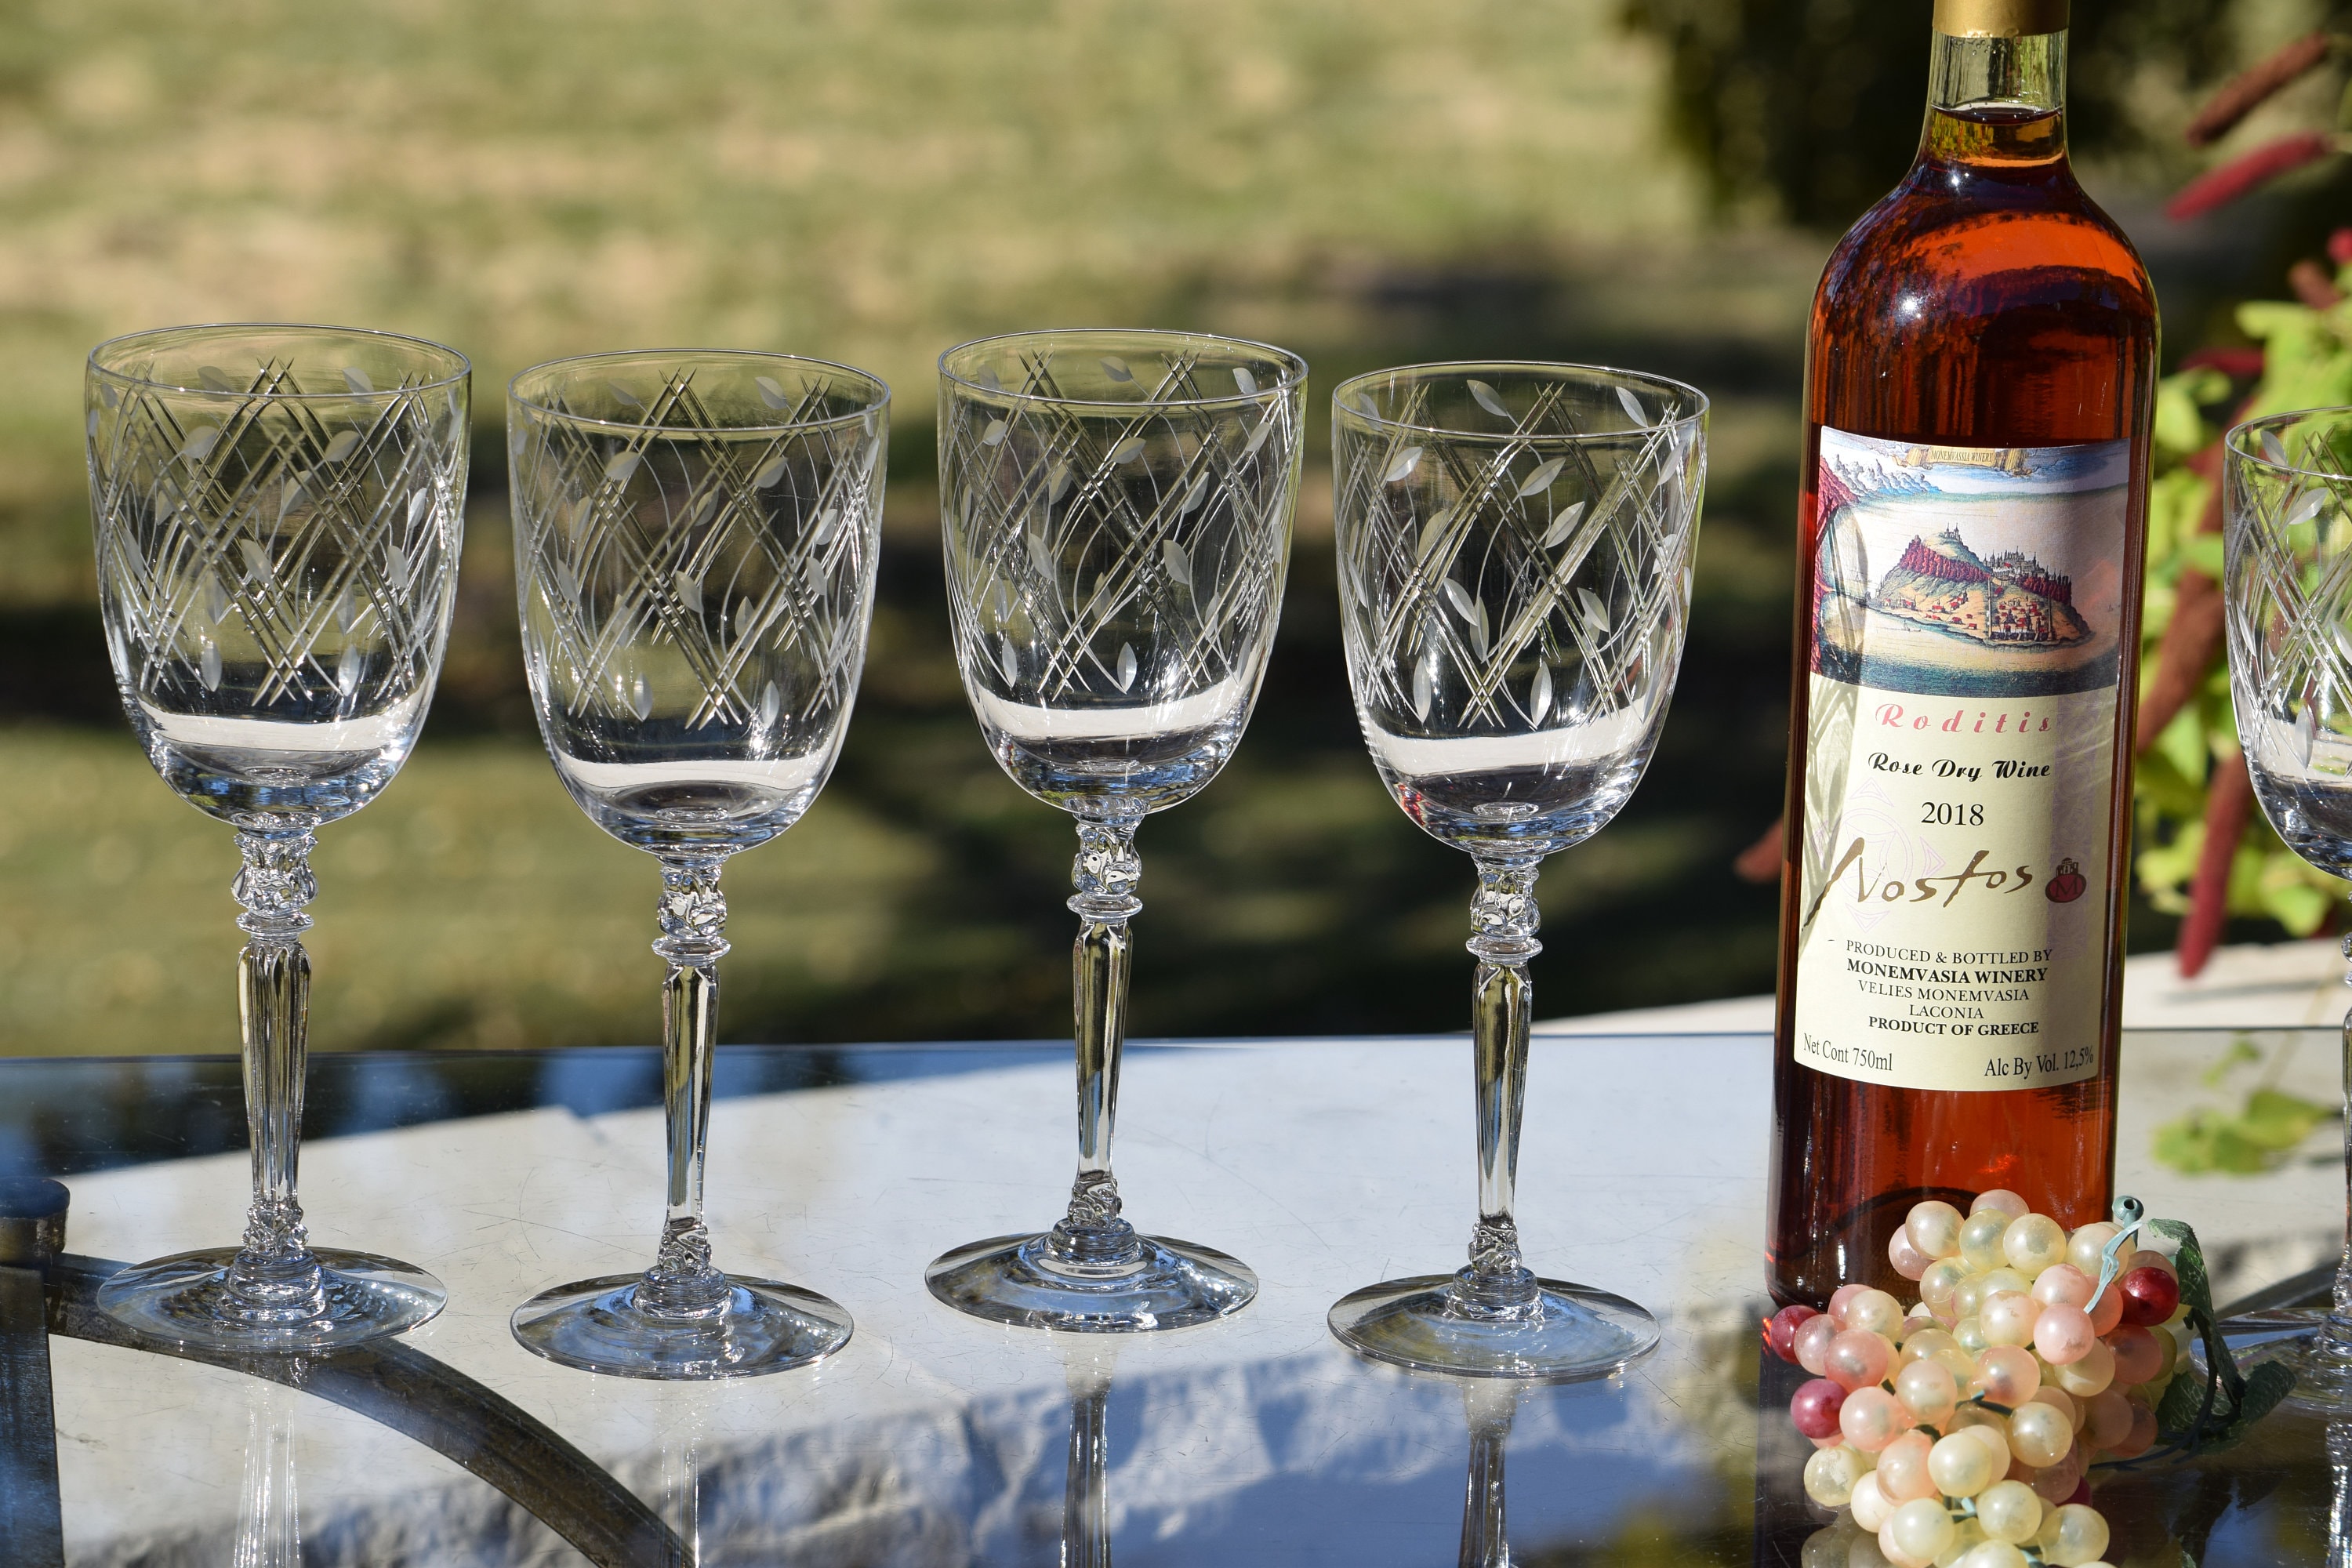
[1116, 1284]
[354, 1297]
[2316, 1349]
[760, 1326]
[1538, 1330]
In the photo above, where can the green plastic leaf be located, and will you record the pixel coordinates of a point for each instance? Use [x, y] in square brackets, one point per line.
[2196, 1287]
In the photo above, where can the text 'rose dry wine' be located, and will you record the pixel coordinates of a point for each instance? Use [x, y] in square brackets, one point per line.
[1979, 384]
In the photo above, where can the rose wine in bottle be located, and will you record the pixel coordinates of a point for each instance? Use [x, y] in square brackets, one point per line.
[1980, 386]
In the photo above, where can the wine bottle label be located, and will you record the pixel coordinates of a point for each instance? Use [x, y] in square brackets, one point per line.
[1955, 856]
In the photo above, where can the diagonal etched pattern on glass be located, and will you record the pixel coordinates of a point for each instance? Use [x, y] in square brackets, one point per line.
[2287, 601]
[1115, 510]
[277, 513]
[1117, 514]
[697, 579]
[695, 537]
[277, 556]
[1515, 558]
[1515, 563]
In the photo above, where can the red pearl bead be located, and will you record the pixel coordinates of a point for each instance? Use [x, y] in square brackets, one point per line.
[2150, 1296]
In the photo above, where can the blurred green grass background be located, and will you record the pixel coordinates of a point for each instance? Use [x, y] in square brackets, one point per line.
[1365, 181]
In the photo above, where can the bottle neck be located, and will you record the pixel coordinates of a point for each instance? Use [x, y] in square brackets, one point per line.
[1996, 100]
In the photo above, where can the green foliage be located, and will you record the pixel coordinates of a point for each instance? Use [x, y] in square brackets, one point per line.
[2268, 1126]
[2307, 363]
[1811, 107]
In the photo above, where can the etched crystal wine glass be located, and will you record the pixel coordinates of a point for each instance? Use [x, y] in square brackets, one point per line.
[2287, 590]
[277, 512]
[1514, 553]
[695, 536]
[1117, 510]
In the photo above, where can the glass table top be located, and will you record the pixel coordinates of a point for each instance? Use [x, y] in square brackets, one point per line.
[936, 1439]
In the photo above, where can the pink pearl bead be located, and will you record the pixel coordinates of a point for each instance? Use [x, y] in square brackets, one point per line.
[1810, 1343]
[2138, 1355]
[2108, 1312]
[1857, 1358]
[2006, 1375]
[1839, 1297]
[1871, 1419]
[2107, 1419]
[1909, 1261]
[2063, 1334]
[2063, 1285]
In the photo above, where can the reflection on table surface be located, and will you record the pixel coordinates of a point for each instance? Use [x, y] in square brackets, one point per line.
[934, 1438]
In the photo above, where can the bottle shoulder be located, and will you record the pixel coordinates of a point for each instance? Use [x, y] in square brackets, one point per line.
[1954, 242]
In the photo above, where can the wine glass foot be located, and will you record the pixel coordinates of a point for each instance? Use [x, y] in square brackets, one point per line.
[1158, 1283]
[186, 1299]
[1551, 1331]
[760, 1327]
[2301, 1341]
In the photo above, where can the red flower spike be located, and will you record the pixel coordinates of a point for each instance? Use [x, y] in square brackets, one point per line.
[2150, 1296]
[2219, 187]
[2339, 247]
[2243, 93]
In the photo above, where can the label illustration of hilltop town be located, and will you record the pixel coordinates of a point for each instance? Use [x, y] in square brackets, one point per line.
[1969, 572]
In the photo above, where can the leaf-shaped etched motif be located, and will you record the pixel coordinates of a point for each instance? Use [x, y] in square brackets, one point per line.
[1489, 399]
[628, 399]
[827, 521]
[1007, 662]
[1246, 381]
[1041, 558]
[1057, 483]
[1633, 407]
[689, 590]
[1562, 522]
[107, 395]
[89, 426]
[397, 569]
[1431, 533]
[1258, 437]
[1459, 598]
[1361, 403]
[2306, 507]
[1543, 476]
[769, 473]
[1424, 686]
[1127, 451]
[1116, 368]
[341, 447]
[208, 665]
[1403, 464]
[1596, 614]
[357, 380]
[1124, 671]
[986, 376]
[1479, 634]
[215, 378]
[347, 611]
[349, 668]
[1539, 695]
[289, 495]
[641, 697]
[256, 559]
[620, 465]
[2273, 450]
[771, 391]
[1193, 497]
[994, 435]
[216, 600]
[417, 502]
[1179, 564]
[200, 440]
[772, 702]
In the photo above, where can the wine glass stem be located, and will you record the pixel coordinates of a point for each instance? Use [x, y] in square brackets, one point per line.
[1105, 875]
[1086, 1503]
[274, 1276]
[1486, 1541]
[2338, 1328]
[693, 915]
[1506, 917]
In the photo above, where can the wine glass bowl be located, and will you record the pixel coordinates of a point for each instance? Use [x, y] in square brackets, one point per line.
[278, 512]
[1514, 550]
[1115, 511]
[2287, 594]
[695, 540]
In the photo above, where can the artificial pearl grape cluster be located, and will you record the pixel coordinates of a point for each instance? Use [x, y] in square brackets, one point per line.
[1958, 1431]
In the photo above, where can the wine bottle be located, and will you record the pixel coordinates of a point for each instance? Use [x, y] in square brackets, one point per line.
[1979, 388]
